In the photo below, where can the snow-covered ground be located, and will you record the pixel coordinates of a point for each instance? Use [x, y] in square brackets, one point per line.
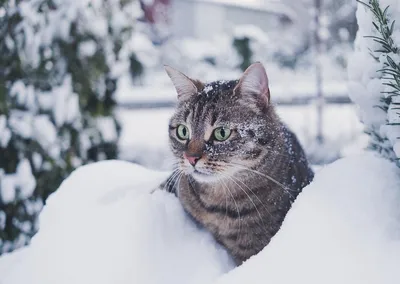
[105, 226]
[144, 137]
[344, 228]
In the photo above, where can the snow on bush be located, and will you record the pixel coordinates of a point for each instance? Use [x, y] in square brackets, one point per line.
[104, 226]
[61, 62]
[374, 74]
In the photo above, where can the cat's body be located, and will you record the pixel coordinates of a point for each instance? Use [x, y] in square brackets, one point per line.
[239, 168]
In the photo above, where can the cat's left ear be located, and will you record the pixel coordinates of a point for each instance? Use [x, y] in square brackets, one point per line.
[254, 83]
[185, 87]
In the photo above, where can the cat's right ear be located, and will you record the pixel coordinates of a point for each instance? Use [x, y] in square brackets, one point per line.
[185, 87]
[254, 84]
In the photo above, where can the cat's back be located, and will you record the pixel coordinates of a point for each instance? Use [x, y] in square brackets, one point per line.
[299, 170]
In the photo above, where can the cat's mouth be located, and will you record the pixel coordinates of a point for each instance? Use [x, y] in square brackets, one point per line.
[201, 172]
[204, 176]
[197, 172]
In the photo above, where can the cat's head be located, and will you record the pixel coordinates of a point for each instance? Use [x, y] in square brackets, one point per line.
[222, 127]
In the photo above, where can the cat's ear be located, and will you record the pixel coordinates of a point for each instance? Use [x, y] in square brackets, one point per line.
[185, 87]
[254, 83]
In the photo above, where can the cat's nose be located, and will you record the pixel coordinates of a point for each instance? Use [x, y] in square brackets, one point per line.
[192, 158]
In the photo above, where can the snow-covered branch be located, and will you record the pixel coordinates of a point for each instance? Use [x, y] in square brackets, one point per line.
[374, 73]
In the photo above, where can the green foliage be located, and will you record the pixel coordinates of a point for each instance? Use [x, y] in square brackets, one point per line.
[390, 73]
[56, 101]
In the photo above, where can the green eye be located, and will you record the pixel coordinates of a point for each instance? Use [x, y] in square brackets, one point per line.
[182, 132]
[222, 133]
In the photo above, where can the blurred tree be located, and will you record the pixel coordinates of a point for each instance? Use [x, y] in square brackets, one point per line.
[242, 46]
[60, 62]
[339, 19]
[337, 27]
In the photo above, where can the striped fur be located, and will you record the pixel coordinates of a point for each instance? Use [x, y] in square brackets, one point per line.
[241, 188]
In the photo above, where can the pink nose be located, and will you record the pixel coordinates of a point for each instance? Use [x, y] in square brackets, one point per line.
[193, 159]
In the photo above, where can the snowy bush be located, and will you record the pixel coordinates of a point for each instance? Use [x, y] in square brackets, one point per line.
[374, 73]
[60, 62]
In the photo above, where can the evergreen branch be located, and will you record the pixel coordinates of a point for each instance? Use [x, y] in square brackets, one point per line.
[389, 74]
[365, 4]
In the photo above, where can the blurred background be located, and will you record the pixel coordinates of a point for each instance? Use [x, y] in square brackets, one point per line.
[83, 81]
[304, 46]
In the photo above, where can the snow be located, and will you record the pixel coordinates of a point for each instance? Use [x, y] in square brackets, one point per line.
[117, 232]
[44, 131]
[105, 226]
[396, 148]
[343, 228]
[24, 95]
[87, 48]
[250, 31]
[144, 49]
[65, 104]
[280, 91]
[208, 88]
[144, 137]
[107, 129]
[45, 108]
[18, 186]
[20, 122]
[5, 133]
[2, 12]
[367, 83]
[272, 6]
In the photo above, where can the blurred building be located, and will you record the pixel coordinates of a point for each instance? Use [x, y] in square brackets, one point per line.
[206, 18]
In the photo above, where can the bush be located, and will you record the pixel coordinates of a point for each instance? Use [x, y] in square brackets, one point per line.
[374, 73]
[60, 62]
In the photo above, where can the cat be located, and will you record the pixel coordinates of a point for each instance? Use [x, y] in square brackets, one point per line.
[238, 167]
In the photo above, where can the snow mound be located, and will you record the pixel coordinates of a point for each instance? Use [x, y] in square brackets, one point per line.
[343, 228]
[104, 226]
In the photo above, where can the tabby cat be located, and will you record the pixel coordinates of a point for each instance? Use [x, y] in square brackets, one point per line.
[239, 168]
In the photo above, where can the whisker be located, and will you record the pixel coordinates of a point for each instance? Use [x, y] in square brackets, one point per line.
[178, 181]
[168, 181]
[237, 208]
[262, 203]
[172, 178]
[171, 163]
[288, 190]
[226, 196]
[249, 197]
[193, 186]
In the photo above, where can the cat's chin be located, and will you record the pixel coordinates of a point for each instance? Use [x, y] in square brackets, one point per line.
[204, 177]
